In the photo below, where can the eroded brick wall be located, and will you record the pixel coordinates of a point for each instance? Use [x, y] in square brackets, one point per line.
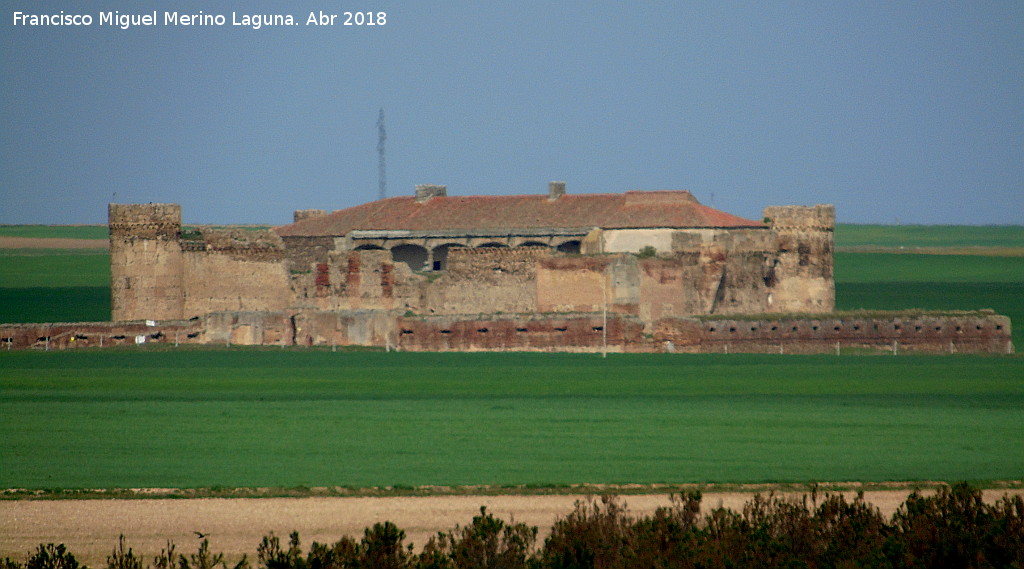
[968, 332]
[550, 333]
[65, 336]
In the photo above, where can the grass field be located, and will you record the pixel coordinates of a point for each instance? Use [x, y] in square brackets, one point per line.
[40, 285]
[912, 236]
[55, 231]
[269, 417]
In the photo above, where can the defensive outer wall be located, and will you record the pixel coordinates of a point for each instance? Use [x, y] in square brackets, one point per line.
[768, 289]
[962, 332]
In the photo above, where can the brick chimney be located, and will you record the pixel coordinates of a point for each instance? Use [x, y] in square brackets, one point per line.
[555, 190]
[426, 191]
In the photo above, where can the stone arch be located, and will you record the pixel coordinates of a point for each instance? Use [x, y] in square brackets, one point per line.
[440, 255]
[492, 244]
[415, 256]
[572, 246]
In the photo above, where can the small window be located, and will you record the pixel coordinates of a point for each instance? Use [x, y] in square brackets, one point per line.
[597, 328]
[406, 332]
[560, 329]
[521, 330]
[483, 330]
[446, 331]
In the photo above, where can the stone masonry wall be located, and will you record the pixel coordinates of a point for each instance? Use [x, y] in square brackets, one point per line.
[549, 333]
[486, 280]
[145, 262]
[73, 335]
[803, 267]
[967, 332]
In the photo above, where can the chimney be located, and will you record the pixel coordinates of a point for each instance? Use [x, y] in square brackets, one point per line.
[426, 191]
[555, 190]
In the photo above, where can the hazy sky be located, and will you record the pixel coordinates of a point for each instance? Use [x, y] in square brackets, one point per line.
[908, 111]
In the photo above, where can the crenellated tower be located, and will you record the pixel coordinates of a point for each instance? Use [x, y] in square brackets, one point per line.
[802, 267]
[146, 265]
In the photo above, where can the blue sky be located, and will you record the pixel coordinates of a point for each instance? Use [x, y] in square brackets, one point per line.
[909, 112]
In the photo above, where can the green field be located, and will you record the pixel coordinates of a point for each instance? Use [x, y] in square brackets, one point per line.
[849, 235]
[41, 285]
[270, 417]
[294, 417]
[55, 231]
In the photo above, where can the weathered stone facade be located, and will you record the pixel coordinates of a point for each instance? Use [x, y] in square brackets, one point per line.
[641, 271]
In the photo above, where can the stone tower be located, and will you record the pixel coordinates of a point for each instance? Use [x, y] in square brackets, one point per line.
[145, 262]
[803, 266]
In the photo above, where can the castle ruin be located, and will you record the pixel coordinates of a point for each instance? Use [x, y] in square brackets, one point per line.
[636, 271]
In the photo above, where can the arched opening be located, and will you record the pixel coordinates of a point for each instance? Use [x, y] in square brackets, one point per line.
[369, 248]
[441, 256]
[412, 255]
[492, 244]
[532, 244]
[572, 247]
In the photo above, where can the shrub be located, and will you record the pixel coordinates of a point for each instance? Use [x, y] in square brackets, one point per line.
[486, 542]
[121, 559]
[270, 555]
[592, 535]
[382, 547]
[52, 556]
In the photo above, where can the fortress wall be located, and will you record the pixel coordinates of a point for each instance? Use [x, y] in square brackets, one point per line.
[303, 253]
[672, 287]
[248, 328]
[486, 280]
[572, 284]
[554, 333]
[72, 335]
[969, 332]
[345, 328]
[145, 262]
[237, 280]
[355, 280]
[803, 268]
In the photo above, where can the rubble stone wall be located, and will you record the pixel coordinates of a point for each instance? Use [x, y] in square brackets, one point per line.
[145, 262]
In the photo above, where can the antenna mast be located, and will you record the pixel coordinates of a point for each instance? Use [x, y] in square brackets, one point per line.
[382, 179]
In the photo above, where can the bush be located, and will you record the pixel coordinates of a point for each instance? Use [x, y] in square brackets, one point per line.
[52, 556]
[953, 528]
[487, 542]
[121, 559]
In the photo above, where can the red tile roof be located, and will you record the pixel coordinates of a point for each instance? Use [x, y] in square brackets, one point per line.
[634, 209]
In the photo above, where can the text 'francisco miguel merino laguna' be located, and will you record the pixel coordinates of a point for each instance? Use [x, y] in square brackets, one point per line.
[254, 21]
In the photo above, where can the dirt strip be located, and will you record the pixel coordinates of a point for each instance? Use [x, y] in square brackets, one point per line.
[235, 526]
